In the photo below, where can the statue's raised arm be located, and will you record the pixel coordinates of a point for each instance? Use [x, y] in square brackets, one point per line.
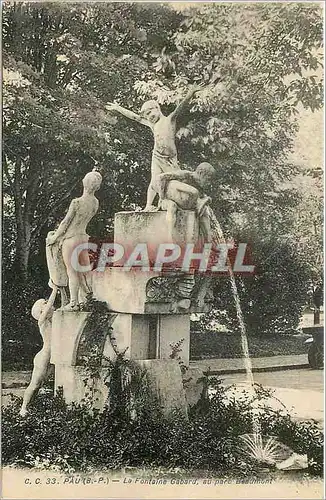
[116, 108]
[180, 108]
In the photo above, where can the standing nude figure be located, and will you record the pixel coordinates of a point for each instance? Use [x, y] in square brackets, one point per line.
[42, 311]
[70, 234]
[164, 157]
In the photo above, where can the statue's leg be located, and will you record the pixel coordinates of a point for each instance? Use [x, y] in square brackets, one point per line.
[74, 284]
[64, 296]
[73, 275]
[85, 282]
[182, 194]
[205, 226]
[151, 194]
[201, 205]
[171, 217]
[41, 363]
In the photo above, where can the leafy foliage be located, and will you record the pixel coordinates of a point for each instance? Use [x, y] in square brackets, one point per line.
[72, 438]
[272, 299]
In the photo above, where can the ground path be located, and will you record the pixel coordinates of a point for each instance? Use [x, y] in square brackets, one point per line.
[31, 484]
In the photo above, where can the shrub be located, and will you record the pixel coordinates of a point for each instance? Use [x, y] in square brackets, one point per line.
[73, 437]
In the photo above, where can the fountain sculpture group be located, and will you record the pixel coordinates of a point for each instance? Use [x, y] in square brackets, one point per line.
[147, 311]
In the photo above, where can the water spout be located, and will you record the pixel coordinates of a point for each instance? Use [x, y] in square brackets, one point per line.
[265, 450]
[218, 237]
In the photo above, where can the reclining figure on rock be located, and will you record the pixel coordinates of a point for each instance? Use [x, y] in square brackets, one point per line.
[70, 234]
[164, 157]
[185, 190]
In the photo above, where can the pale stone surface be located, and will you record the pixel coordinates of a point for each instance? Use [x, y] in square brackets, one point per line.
[136, 291]
[71, 379]
[143, 337]
[147, 336]
[67, 328]
[121, 335]
[165, 380]
[126, 292]
[171, 330]
[193, 385]
[131, 228]
[134, 334]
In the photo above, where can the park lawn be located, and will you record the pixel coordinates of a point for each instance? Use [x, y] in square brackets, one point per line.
[203, 345]
[210, 344]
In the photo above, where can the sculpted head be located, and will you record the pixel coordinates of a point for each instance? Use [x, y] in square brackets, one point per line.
[92, 182]
[206, 174]
[38, 308]
[151, 111]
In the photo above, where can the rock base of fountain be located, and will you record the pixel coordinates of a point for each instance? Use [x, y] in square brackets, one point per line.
[147, 314]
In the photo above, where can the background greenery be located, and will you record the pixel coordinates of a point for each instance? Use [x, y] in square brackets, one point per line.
[63, 62]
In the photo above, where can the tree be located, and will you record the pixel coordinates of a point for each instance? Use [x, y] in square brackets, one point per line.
[65, 61]
[244, 124]
[261, 62]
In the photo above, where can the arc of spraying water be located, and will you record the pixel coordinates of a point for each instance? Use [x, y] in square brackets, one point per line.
[218, 237]
[265, 450]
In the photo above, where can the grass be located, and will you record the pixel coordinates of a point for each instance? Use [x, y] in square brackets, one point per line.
[209, 344]
[203, 345]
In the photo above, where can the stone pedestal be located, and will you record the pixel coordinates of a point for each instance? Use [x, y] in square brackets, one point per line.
[67, 328]
[72, 379]
[131, 228]
[138, 292]
[165, 381]
[150, 312]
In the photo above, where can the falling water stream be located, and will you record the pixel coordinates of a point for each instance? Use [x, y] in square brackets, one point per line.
[218, 237]
[265, 449]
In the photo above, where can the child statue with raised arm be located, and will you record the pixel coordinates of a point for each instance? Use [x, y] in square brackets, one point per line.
[42, 311]
[164, 157]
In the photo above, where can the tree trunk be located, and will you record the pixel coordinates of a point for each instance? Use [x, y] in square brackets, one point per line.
[22, 241]
[317, 300]
[316, 316]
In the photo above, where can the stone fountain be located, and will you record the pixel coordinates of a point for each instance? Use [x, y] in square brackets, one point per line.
[146, 311]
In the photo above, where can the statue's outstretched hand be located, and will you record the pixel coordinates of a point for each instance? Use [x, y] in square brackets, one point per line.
[111, 106]
[51, 238]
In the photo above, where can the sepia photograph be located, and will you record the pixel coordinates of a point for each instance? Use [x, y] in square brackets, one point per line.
[162, 250]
